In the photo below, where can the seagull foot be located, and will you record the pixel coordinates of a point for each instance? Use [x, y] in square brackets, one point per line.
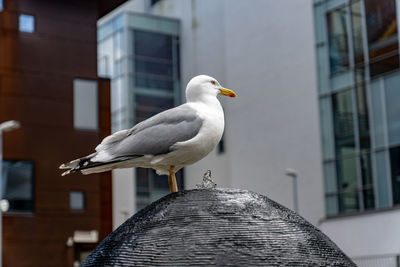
[208, 182]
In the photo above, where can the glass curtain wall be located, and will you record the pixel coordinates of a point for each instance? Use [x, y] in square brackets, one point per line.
[358, 80]
[155, 73]
[140, 54]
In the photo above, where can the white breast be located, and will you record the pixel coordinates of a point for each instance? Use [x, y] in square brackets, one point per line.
[210, 133]
[188, 152]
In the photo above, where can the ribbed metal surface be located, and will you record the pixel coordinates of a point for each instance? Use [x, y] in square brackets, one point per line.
[216, 227]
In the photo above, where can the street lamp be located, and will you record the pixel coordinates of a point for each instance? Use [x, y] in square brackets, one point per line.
[4, 127]
[293, 173]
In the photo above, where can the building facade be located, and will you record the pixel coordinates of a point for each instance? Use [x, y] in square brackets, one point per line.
[140, 54]
[49, 83]
[273, 123]
[357, 46]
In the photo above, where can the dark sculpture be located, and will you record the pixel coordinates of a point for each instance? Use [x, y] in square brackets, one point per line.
[217, 227]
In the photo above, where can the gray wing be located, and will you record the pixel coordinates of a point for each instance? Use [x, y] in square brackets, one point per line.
[157, 134]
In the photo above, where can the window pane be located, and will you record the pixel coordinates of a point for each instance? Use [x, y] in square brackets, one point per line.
[153, 67]
[395, 169]
[150, 186]
[26, 23]
[393, 108]
[331, 205]
[367, 182]
[147, 106]
[155, 45]
[377, 113]
[154, 82]
[330, 178]
[382, 35]
[153, 102]
[343, 123]
[105, 58]
[348, 202]
[1, 5]
[363, 123]
[382, 178]
[323, 70]
[77, 200]
[337, 39]
[18, 184]
[347, 174]
[319, 23]
[85, 105]
[357, 32]
[347, 184]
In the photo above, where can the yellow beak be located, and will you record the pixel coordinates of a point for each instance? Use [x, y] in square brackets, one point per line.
[227, 92]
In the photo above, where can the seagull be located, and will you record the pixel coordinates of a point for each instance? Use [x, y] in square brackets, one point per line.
[166, 142]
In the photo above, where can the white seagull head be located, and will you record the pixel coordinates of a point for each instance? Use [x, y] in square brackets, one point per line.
[203, 86]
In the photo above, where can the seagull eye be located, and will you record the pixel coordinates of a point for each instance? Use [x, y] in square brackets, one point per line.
[213, 82]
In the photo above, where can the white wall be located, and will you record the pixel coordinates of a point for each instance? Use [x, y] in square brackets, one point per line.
[123, 195]
[265, 52]
[366, 234]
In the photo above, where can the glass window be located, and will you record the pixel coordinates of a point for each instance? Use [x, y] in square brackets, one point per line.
[356, 23]
[150, 186]
[85, 105]
[154, 45]
[395, 169]
[382, 35]
[17, 184]
[326, 128]
[153, 67]
[337, 39]
[331, 204]
[330, 184]
[323, 68]
[330, 178]
[154, 60]
[154, 82]
[147, 106]
[26, 23]
[76, 200]
[392, 93]
[363, 123]
[377, 113]
[1, 5]
[343, 123]
[367, 182]
[105, 58]
[382, 178]
[347, 184]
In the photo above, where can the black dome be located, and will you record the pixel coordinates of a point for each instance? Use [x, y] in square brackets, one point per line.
[217, 227]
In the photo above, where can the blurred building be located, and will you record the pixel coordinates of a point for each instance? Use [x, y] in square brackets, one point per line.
[263, 50]
[140, 54]
[357, 44]
[49, 83]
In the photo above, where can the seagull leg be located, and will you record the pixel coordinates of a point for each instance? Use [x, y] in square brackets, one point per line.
[173, 187]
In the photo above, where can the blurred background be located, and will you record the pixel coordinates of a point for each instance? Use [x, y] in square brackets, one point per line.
[315, 126]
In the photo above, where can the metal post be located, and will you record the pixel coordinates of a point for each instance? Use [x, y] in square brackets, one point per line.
[292, 173]
[295, 196]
